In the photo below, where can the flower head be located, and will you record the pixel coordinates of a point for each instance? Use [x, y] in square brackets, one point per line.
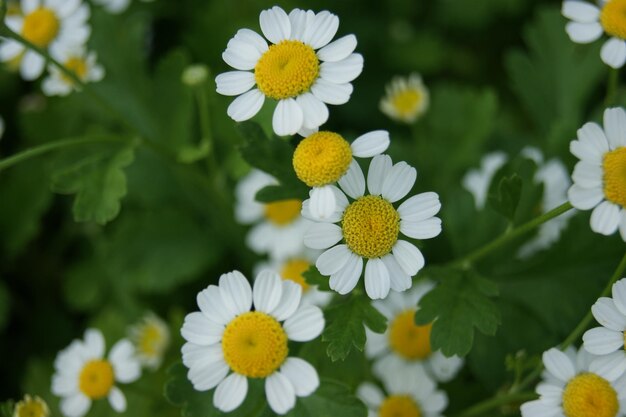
[301, 69]
[229, 341]
[406, 100]
[151, 338]
[31, 407]
[77, 60]
[83, 374]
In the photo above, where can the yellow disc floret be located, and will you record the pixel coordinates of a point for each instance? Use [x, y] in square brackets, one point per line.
[96, 379]
[293, 270]
[31, 407]
[613, 18]
[589, 395]
[408, 339]
[78, 66]
[41, 27]
[283, 212]
[287, 69]
[615, 176]
[399, 406]
[407, 102]
[322, 158]
[370, 226]
[254, 344]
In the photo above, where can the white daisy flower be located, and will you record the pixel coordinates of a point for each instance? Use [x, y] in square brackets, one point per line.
[405, 346]
[599, 180]
[608, 341]
[278, 226]
[31, 407]
[369, 228]
[50, 25]
[406, 99]
[81, 63]
[574, 386]
[589, 22]
[227, 335]
[408, 395]
[82, 374]
[324, 158]
[301, 69]
[151, 338]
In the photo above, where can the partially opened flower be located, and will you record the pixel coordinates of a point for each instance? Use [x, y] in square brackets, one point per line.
[369, 227]
[599, 180]
[83, 374]
[324, 158]
[78, 61]
[31, 407]
[301, 69]
[406, 99]
[151, 338]
[230, 340]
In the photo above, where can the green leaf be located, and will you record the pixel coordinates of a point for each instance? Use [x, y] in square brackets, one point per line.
[346, 323]
[329, 400]
[6, 408]
[508, 196]
[460, 303]
[314, 277]
[95, 174]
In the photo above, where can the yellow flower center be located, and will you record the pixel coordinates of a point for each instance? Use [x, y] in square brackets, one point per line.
[31, 407]
[322, 158]
[370, 226]
[293, 270]
[283, 212]
[286, 69]
[406, 102]
[96, 379]
[78, 66]
[589, 395]
[150, 341]
[613, 18]
[399, 406]
[615, 176]
[41, 27]
[408, 339]
[254, 344]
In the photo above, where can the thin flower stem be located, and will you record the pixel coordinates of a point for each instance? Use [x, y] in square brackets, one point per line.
[204, 114]
[495, 402]
[611, 87]
[511, 234]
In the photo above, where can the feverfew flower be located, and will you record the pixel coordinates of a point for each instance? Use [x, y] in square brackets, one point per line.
[301, 69]
[599, 180]
[83, 375]
[573, 386]
[369, 227]
[31, 407]
[324, 158]
[589, 22]
[230, 340]
[81, 63]
[50, 25]
[151, 338]
[405, 346]
[278, 226]
[406, 100]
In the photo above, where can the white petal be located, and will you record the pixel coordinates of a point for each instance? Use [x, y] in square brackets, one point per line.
[289, 302]
[212, 306]
[370, 144]
[550, 393]
[537, 408]
[619, 295]
[436, 402]
[94, 344]
[613, 53]
[314, 111]
[76, 405]
[288, 117]
[370, 394]
[346, 279]
[338, 49]
[9, 49]
[408, 257]
[615, 127]
[601, 341]
[343, 71]
[321, 30]
[331, 93]
[236, 292]
[230, 393]
[117, 400]
[234, 83]
[607, 314]
[300, 20]
[207, 375]
[199, 356]
[376, 279]
[322, 236]
[584, 198]
[580, 11]
[333, 260]
[200, 330]
[125, 364]
[252, 38]
[64, 385]
[583, 32]
[305, 324]
[323, 203]
[353, 181]
[420, 207]
[275, 24]
[399, 279]
[605, 218]
[425, 229]
[32, 66]
[558, 364]
[593, 136]
[587, 175]
[444, 368]
[399, 181]
[280, 394]
[302, 376]
[29, 6]
[611, 366]
[241, 55]
[246, 105]
[379, 169]
[267, 291]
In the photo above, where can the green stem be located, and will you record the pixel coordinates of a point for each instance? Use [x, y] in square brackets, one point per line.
[512, 234]
[495, 402]
[611, 87]
[205, 126]
[36, 151]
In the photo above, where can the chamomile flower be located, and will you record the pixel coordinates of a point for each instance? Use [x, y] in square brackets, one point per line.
[48, 24]
[31, 407]
[406, 100]
[301, 69]
[278, 226]
[369, 229]
[599, 180]
[573, 386]
[83, 375]
[228, 341]
[407, 395]
[151, 338]
[608, 341]
[81, 63]
[324, 158]
[589, 22]
[405, 346]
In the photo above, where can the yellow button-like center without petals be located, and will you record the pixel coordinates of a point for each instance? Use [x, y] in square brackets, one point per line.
[407, 102]
[613, 18]
[589, 395]
[283, 212]
[615, 176]
[31, 407]
[96, 379]
[322, 158]
[408, 339]
[293, 270]
[41, 27]
[399, 406]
